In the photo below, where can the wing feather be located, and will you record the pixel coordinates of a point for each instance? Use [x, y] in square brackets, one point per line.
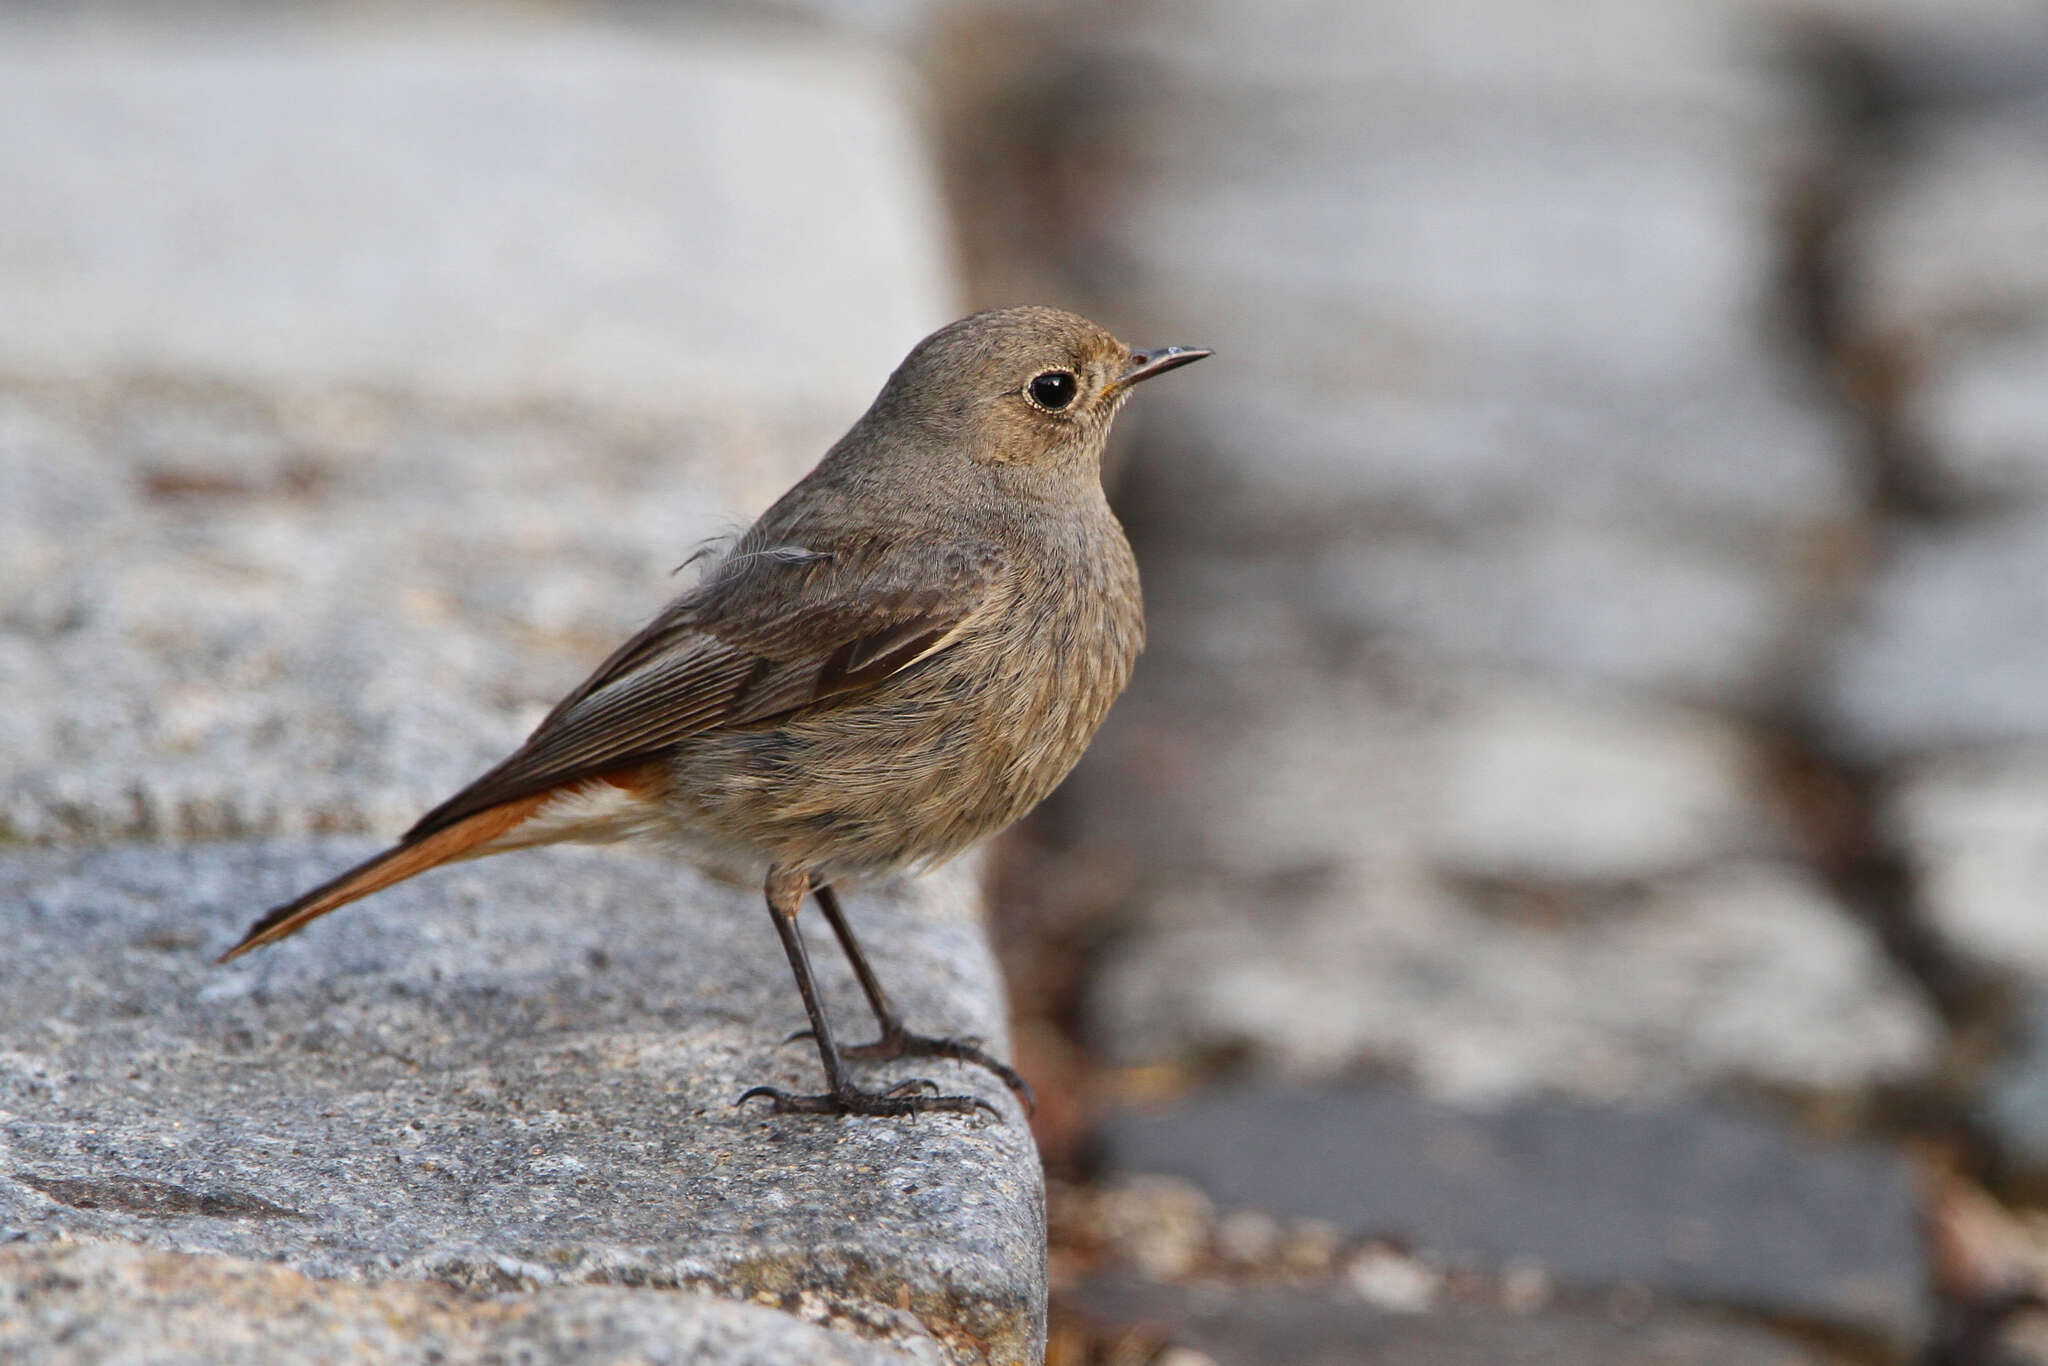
[774, 637]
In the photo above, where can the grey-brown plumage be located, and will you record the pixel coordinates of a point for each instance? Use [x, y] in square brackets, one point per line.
[906, 653]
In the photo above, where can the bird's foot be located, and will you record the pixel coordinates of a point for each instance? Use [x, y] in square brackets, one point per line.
[914, 1097]
[901, 1043]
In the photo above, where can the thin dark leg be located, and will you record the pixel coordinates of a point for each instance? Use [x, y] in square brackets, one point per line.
[870, 985]
[785, 899]
[896, 1041]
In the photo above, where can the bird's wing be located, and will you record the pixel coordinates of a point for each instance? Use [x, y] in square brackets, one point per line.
[760, 639]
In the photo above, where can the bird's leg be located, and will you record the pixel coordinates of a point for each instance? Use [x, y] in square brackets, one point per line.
[896, 1041]
[786, 888]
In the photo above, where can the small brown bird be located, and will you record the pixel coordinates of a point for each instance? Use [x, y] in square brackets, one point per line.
[906, 653]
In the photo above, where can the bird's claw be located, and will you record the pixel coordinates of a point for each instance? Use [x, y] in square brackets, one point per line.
[904, 1044]
[917, 1096]
[901, 1043]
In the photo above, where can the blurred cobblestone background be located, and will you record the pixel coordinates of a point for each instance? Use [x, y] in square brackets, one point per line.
[1570, 883]
[1598, 601]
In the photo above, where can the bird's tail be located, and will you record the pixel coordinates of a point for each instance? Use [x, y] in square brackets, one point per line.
[395, 864]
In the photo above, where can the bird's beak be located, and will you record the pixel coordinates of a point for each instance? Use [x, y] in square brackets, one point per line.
[1157, 361]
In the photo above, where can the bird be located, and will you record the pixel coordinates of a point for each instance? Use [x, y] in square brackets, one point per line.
[901, 657]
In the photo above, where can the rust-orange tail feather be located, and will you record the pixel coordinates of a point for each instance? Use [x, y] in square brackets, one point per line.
[393, 865]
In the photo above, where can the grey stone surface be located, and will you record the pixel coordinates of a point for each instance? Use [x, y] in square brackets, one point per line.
[1340, 858]
[506, 1076]
[1939, 680]
[1983, 418]
[1746, 973]
[1947, 269]
[1536, 524]
[1654, 607]
[1551, 786]
[1947, 265]
[1506, 516]
[1949, 245]
[2015, 20]
[1688, 1201]
[1951, 646]
[1495, 289]
[1250, 744]
[1267, 1327]
[2011, 1103]
[1256, 742]
[905, 22]
[1665, 56]
[87, 1305]
[1975, 829]
[509, 205]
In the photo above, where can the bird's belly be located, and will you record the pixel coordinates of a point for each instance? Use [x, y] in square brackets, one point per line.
[913, 774]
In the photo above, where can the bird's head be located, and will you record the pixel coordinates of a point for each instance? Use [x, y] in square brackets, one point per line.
[1033, 387]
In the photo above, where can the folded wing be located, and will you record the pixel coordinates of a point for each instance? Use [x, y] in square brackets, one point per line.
[772, 637]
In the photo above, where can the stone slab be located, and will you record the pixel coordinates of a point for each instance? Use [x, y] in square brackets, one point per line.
[2015, 22]
[1484, 261]
[1268, 1327]
[1687, 1201]
[1255, 742]
[1982, 416]
[1974, 827]
[1333, 855]
[1950, 244]
[2010, 1107]
[1748, 974]
[510, 1075]
[1553, 787]
[640, 215]
[1651, 57]
[84, 1305]
[1950, 648]
[1947, 271]
[1599, 598]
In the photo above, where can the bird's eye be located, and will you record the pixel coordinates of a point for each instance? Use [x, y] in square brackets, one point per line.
[1053, 390]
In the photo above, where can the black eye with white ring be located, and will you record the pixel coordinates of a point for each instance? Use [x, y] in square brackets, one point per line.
[1054, 389]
